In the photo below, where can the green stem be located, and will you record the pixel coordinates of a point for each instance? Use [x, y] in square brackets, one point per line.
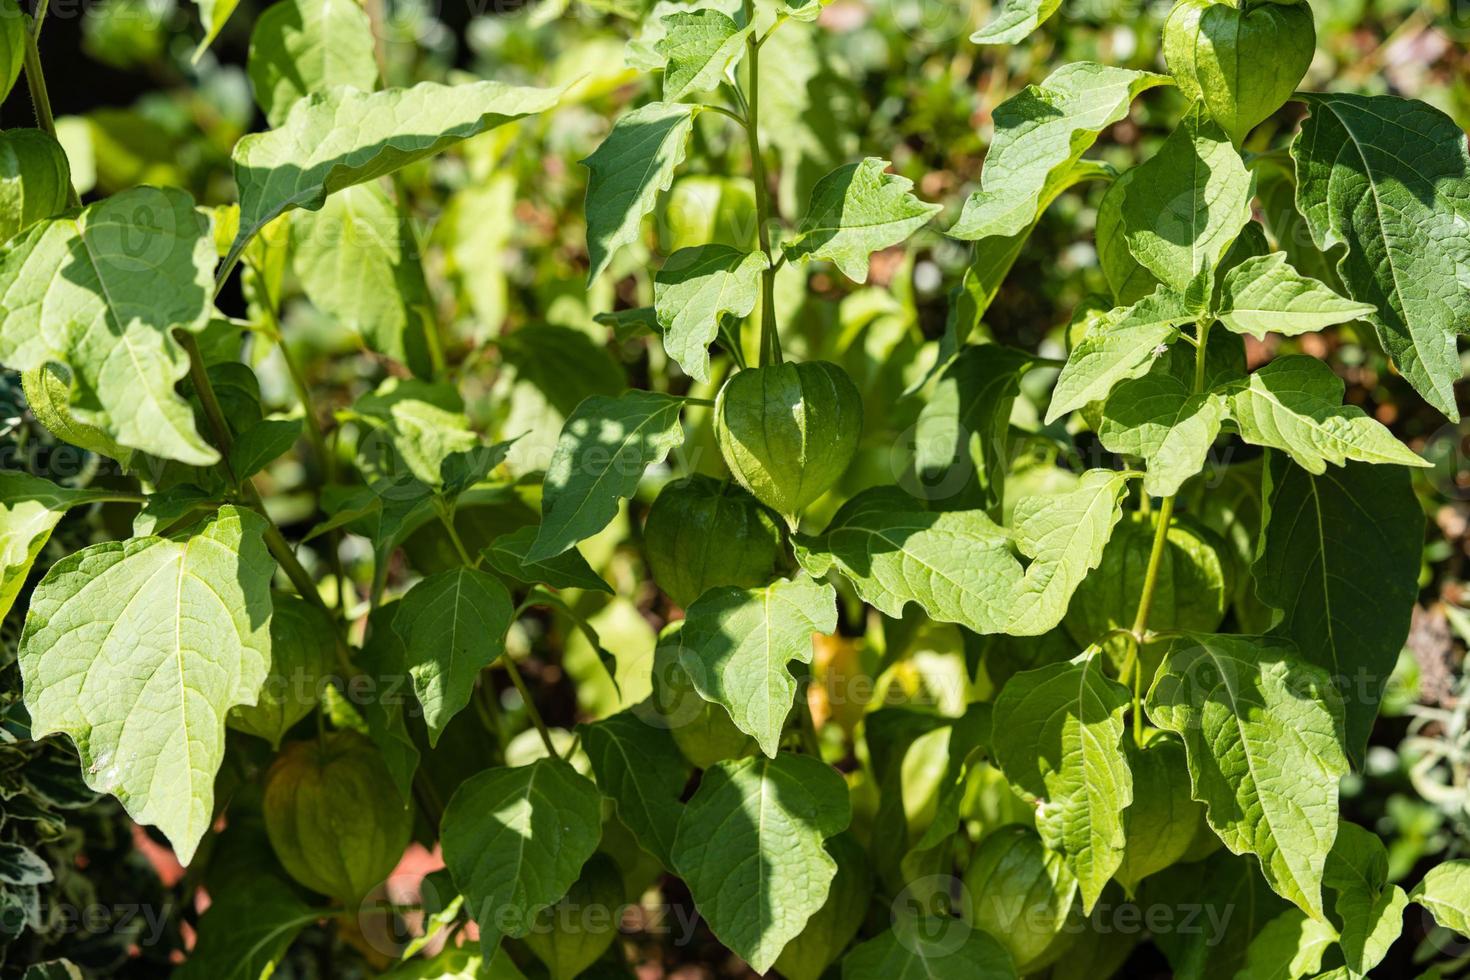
[446, 517]
[770, 343]
[36, 82]
[532, 711]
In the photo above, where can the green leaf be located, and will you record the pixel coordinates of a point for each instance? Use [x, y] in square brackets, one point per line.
[1064, 535]
[640, 768]
[1445, 892]
[1288, 947]
[1389, 178]
[101, 292]
[453, 625]
[30, 508]
[137, 650]
[1234, 905]
[48, 392]
[303, 640]
[628, 171]
[1161, 823]
[19, 865]
[214, 14]
[1159, 419]
[699, 48]
[515, 840]
[1263, 731]
[961, 449]
[1058, 736]
[262, 444]
[1017, 19]
[600, 456]
[1187, 202]
[857, 210]
[969, 744]
[336, 139]
[693, 293]
[643, 52]
[1295, 404]
[1367, 911]
[832, 927]
[1040, 134]
[1123, 344]
[1339, 556]
[303, 46]
[929, 948]
[418, 428]
[247, 929]
[1128, 280]
[755, 828]
[737, 644]
[1266, 295]
[957, 565]
[358, 262]
[568, 570]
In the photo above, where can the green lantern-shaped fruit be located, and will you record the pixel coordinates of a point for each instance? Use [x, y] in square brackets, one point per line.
[334, 816]
[569, 936]
[1021, 893]
[13, 27]
[1244, 58]
[34, 175]
[1160, 824]
[702, 729]
[789, 431]
[702, 533]
[301, 655]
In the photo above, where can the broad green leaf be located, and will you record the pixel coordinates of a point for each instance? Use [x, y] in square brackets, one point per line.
[857, 210]
[756, 828]
[515, 840]
[1040, 134]
[927, 949]
[1445, 892]
[1057, 735]
[600, 456]
[1016, 19]
[101, 292]
[383, 662]
[1266, 295]
[956, 565]
[1128, 280]
[417, 429]
[1187, 203]
[628, 171]
[1161, 823]
[303, 642]
[1367, 911]
[262, 444]
[737, 645]
[969, 744]
[453, 625]
[137, 649]
[1288, 947]
[643, 52]
[245, 932]
[1064, 535]
[568, 570]
[693, 293]
[1339, 556]
[1389, 179]
[303, 46]
[1294, 404]
[572, 935]
[30, 508]
[358, 262]
[1232, 904]
[961, 449]
[699, 47]
[336, 139]
[832, 927]
[1123, 344]
[1263, 732]
[1158, 419]
[639, 767]
[48, 393]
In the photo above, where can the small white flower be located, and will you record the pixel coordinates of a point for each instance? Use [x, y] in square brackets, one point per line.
[1161, 350]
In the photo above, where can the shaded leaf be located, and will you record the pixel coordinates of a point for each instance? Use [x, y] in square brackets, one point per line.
[857, 210]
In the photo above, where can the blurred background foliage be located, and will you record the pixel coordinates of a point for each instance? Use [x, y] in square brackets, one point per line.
[494, 252]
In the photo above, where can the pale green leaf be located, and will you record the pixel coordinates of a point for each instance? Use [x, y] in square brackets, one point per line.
[693, 293]
[642, 51]
[1040, 133]
[1339, 556]
[1288, 947]
[1266, 295]
[336, 139]
[1367, 911]
[968, 746]
[1389, 178]
[515, 840]
[600, 456]
[568, 570]
[101, 292]
[737, 645]
[1057, 735]
[453, 625]
[417, 429]
[214, 14]
[699, 47]
[628, 171]
[137, 649]
[303, 46]
[1187, 203]
[1123, 344]
[639, 767]
[1445, 892]
[857, 210]
[928, 949]
[1263, 732]
[1159, 419]
[756, 828]
[1016, 19]
[1295, 404]
[30, 508]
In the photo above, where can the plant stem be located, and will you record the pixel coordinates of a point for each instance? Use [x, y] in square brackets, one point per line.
[36, 82]
[770, 342]
[532, 711]
[446, 517]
